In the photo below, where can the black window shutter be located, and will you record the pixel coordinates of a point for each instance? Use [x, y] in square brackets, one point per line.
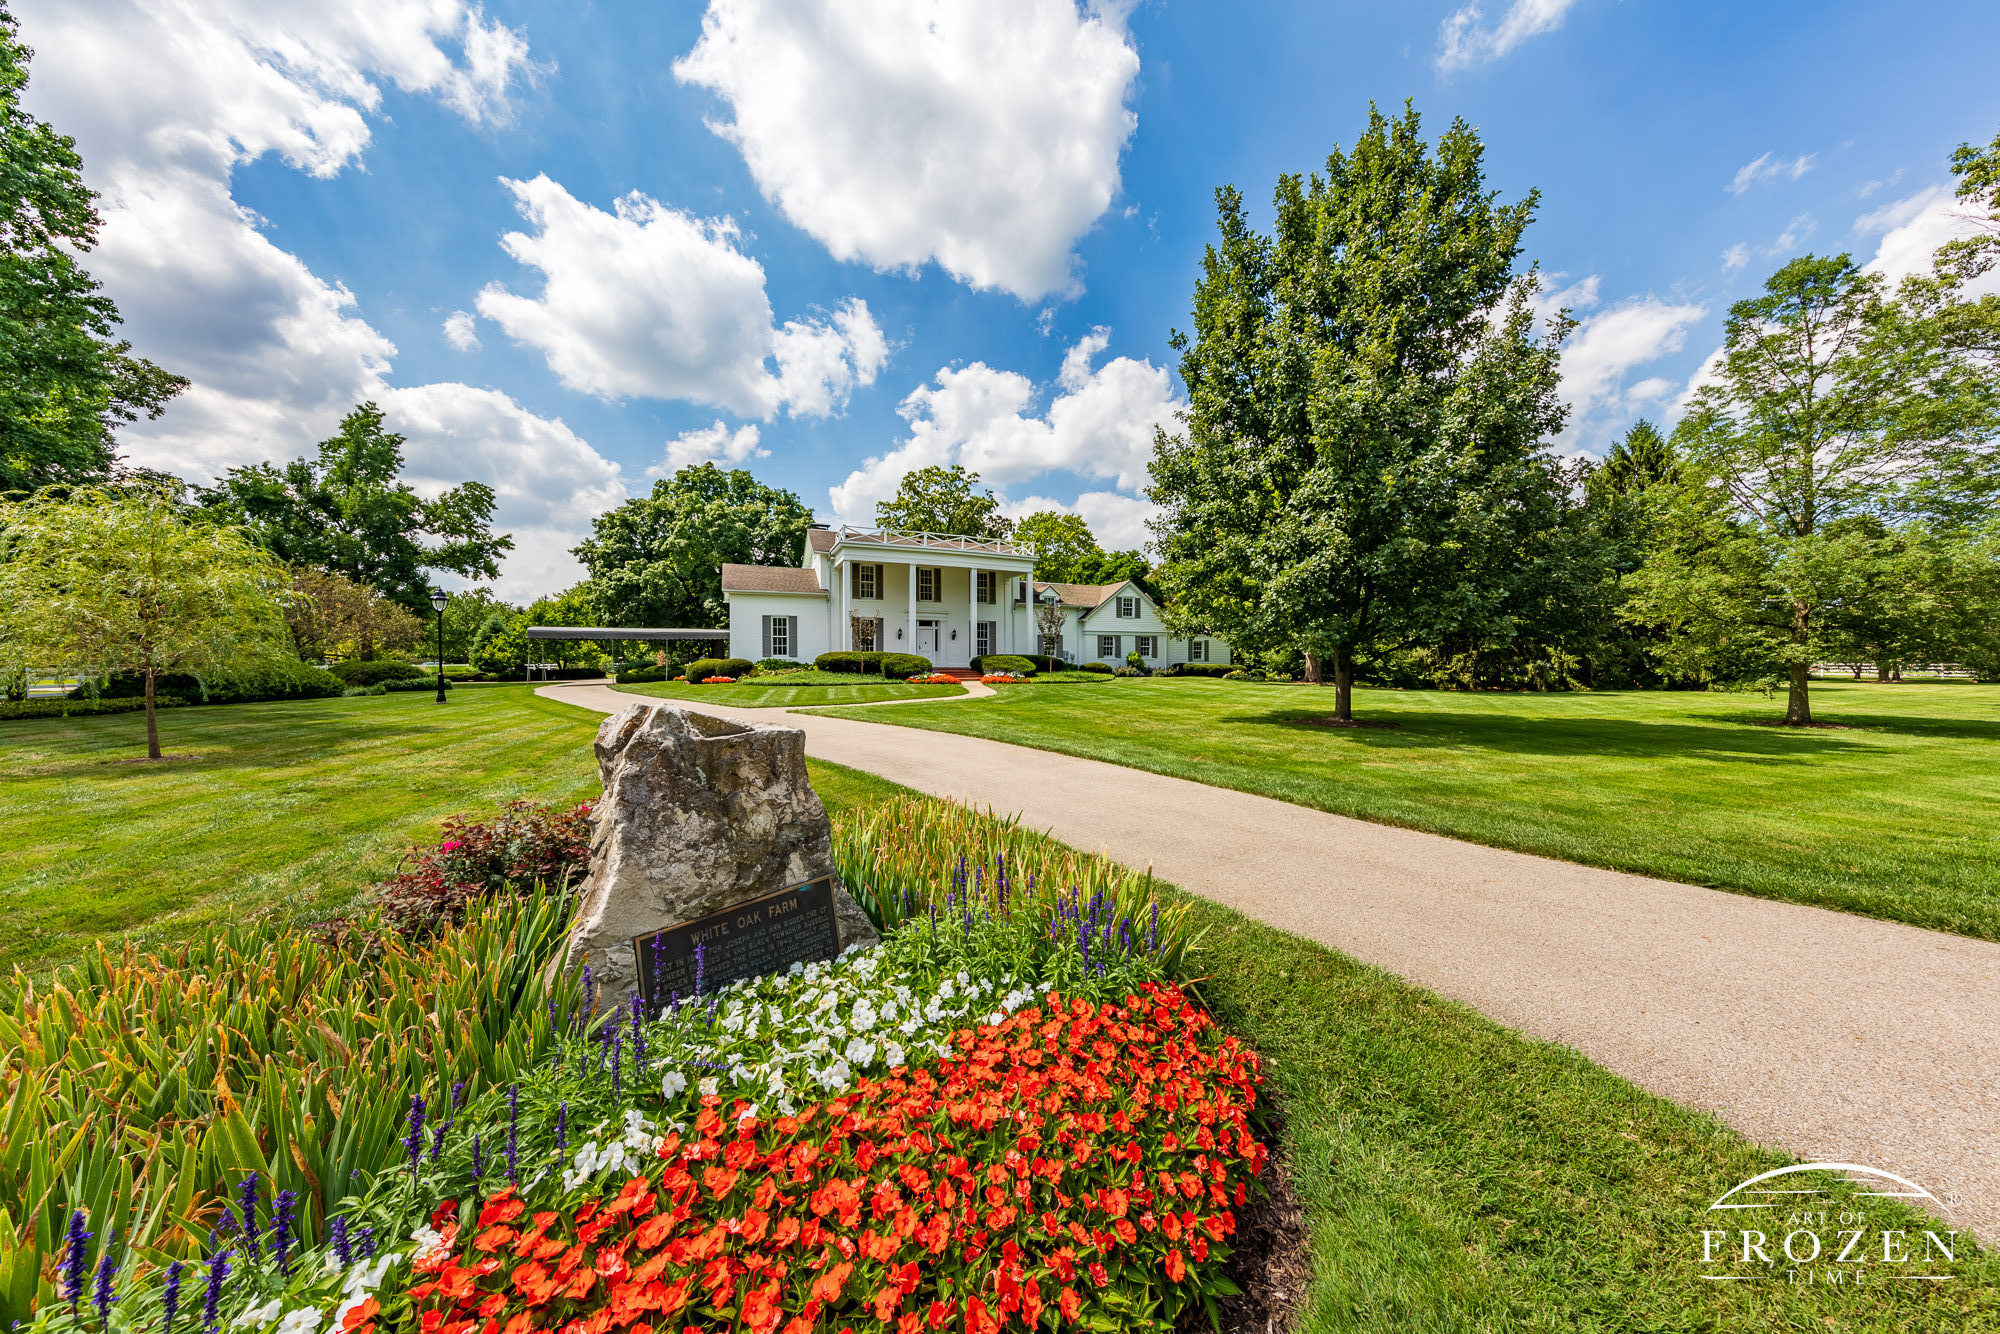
[767, 637]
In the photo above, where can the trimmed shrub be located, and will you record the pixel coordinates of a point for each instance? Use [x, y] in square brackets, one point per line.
[1007, 664]
[1208, 669]
[1101, 668]
[421, 683]
[367, 672]
[79, 708]
[1137, 663]
[1128, 671]
[892, 665]
[638, 676]
[778, 665]
[1237, 674]
[286, 678]
[734, 668]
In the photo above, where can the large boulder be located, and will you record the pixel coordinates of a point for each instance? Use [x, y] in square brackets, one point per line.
[699, 814]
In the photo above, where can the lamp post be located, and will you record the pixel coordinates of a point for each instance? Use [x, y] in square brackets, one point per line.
[438, 599]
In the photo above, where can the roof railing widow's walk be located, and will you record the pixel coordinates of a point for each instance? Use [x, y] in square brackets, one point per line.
[897, 537]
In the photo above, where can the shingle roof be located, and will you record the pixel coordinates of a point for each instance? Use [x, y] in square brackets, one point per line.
[1082, 595]
[770, 579]
[821, 538]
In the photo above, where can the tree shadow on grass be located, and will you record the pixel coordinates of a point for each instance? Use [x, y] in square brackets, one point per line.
[1902, 724]
[1634, 738]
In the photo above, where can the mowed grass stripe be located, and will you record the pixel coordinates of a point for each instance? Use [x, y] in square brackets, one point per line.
[1892, 819]
[761, 695]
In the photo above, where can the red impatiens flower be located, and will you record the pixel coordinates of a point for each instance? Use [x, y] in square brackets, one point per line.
[965, 1197]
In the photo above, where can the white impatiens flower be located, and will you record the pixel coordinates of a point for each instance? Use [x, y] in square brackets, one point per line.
[302, 1321]
[260, 1315]
[862, 1017]
[673, 1084]
[892, 1056]
[708, 1086]
[860, 1052]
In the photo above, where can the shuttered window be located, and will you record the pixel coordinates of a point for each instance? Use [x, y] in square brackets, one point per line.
[1107, 647]
[1146, 646]
[865, 581]
[987, 583]
[781, 636]
[1197, 650]
[1128, 608]
[930, 584]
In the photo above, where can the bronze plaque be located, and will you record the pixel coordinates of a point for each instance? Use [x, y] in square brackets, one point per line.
[767, 935]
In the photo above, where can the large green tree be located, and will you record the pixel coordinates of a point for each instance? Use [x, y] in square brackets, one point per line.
[944, 500]
[1367, 393]
[66, 380]
[656, 560]
[349, 511]
[1066, 552]
[1830, 402]
[100, 582]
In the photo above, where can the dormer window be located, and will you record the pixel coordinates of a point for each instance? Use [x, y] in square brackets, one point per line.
[1128, 608]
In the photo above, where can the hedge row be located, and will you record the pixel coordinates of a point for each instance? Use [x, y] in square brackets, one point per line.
[733, 668]
[1017, 664]
[639, 676]
[892, 665]
[371, 672]
[1211, 669]
[287, 678]
[78, 708]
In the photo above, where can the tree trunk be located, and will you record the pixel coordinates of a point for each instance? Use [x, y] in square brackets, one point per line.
[152, 719]
[1315, 670]
[1798, 706]
[1881, 670]
[1343, 683]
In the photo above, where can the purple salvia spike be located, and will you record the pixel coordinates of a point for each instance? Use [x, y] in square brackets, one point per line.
[76, 1255]
[218, 1270]
[246, 1208]
[107, 1276]
[562, 1129]
[282, 1222]
[366, 1236]
[336, 1237]
[170, 1297]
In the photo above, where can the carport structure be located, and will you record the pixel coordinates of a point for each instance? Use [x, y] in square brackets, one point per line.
[644, 634]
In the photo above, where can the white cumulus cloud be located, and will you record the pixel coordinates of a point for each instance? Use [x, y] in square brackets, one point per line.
[1735, 257]
[166, 99]
[1116, 520]
[983, 136]
[1467, 40]
[710, 444]
[653, 302]
[1098, 425]
[460, 331]
[1770, 167]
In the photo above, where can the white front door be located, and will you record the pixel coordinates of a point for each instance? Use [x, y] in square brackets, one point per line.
[927, 638]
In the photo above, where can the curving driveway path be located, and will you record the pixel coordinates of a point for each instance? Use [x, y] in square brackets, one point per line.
[1833, 1037]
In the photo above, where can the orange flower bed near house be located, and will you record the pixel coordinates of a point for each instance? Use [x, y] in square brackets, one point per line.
[1001, 679]
[719, 681]
[934, 679]
[1069, 1164]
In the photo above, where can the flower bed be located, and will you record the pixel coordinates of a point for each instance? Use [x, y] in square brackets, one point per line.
[1001, 679]
[712, 680]
[968, 1124]
[933, 679]
[1075, 1160]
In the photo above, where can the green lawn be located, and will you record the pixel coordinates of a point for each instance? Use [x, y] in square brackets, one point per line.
[777, 694]
[1455, 1175]
[293, 808]
[1893, 818]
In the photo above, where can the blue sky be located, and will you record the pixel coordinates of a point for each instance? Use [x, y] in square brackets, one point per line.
[569, 246]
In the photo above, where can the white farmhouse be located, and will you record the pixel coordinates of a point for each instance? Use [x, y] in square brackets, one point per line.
[949, 599]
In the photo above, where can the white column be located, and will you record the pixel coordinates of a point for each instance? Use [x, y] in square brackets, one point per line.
[910, 612]
[837, 638]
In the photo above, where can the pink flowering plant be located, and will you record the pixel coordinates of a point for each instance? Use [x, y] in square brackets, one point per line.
[525, 845]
